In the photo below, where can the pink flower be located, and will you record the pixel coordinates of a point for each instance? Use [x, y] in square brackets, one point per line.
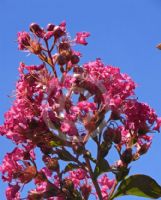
[23, 40]
[29, 151]
[41, 187]
[139, 116]
[69, 127]
[68, 81]
[15, 166]
[34, 67]
[77, 101]
[77, 175]
[81, 38]
[75, 110]
[86, 106]
[107, 83]
[10, 167]
[105, 181]
[12, 192]
[106, 184]
[65, 127]
[47, 172]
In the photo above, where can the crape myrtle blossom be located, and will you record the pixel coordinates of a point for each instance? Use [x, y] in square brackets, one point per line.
[106, 185]
[16, 166]
[12, 192]
[77, 175]
[58, 106]
[81, 38]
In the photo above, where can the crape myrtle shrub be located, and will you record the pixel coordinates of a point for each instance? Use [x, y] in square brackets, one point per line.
[58, 107]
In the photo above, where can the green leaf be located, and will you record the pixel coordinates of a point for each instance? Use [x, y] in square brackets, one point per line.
[56, 143]
[139, 185]
[64, 155]
[76, 195]
[121, 173]
[104, 149]
[101, 167]
[70, 167]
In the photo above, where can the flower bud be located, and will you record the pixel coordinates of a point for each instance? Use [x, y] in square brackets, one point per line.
[87, 154]
[50, 27]
[68, 184]
[74, 59]
[61, 60]
[58, 32]
[77, 148]
[53, 164]
[127, 156]
[108, 135]
[35, 28]
[64, 46]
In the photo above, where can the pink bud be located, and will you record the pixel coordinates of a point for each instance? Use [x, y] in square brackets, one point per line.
[58, 32]
[35, 28]
[74, 59]
[62, 60]
[50, 27]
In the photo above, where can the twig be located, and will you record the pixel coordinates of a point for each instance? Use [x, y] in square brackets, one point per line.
[95, 183]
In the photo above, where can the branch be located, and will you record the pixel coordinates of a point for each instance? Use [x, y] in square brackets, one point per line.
[95, 183]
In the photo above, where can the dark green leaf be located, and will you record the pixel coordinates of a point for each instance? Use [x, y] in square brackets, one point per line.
[70, 166]
[121, 173]
[56, 143]
[104, 149]
[139, 185]
[64, 155]
[76, 195]
[101, 167]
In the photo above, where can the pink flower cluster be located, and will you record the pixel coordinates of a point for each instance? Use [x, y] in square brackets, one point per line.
[58, 106]
[106, 185]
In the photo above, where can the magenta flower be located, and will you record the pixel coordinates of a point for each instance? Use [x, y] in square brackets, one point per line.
[81, 38]
[59, 105]
[23, 40]
[12, 192]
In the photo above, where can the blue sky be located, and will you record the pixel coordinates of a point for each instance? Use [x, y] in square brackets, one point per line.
[124, 33]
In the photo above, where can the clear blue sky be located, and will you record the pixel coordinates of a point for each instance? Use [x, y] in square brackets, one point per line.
[124, 33]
